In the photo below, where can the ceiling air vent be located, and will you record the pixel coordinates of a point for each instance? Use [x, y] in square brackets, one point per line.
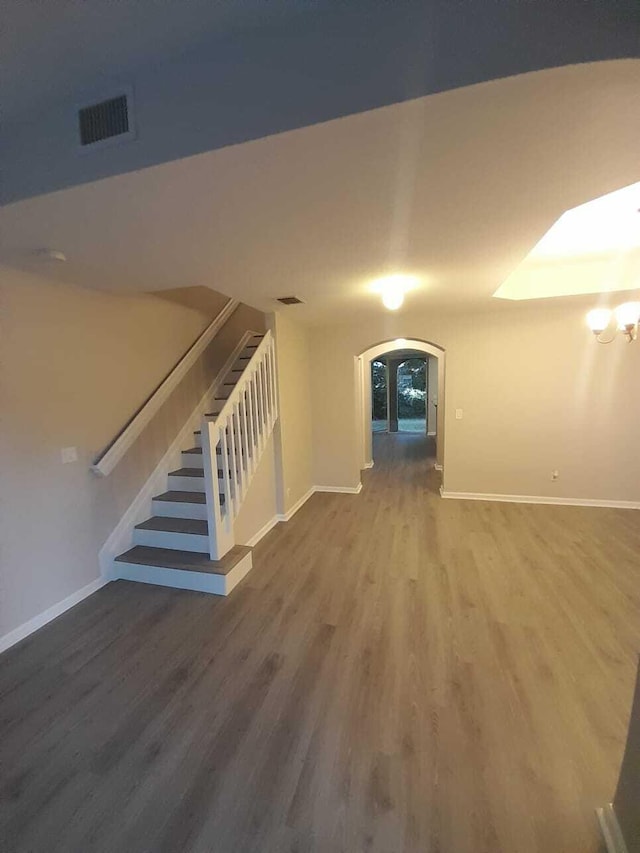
[290, 300]
[107, 120]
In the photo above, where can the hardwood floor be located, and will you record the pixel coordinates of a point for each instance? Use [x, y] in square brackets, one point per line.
[398, 673]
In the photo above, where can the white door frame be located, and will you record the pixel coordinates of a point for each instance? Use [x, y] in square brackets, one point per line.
[363, 393]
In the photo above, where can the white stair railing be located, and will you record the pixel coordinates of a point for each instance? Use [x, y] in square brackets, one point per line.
[233, 442]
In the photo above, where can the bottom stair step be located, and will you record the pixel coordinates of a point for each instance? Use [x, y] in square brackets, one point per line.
[184, 569]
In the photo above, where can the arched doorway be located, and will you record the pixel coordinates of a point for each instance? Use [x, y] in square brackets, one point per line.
[401, 388]
[364, 392]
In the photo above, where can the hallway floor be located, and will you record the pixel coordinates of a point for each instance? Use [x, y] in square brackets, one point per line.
[399, 674]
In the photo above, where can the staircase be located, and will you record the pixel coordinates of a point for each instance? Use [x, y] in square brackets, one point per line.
[189, 541]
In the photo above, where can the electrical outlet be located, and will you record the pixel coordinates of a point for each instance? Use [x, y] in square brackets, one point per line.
[555, 474]
[458, 414]
[69, 454]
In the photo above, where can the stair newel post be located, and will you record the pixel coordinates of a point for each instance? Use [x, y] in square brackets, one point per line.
[219, 522]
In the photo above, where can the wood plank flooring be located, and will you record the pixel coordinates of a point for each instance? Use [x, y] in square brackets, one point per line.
[398, 673]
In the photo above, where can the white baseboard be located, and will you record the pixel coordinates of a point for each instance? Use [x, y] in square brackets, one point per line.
[611, 831]
[50, 613]
[539, 499]
[251, 543]
[343, 490]
[285, 516]
[121, 537]
[368, 465]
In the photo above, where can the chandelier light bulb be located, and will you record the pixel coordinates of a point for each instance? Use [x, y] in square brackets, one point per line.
[392, 299]
[598, 320]
[627, 315]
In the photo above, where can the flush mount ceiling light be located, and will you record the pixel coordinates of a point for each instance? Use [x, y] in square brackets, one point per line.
[392, 289]
[627, 318]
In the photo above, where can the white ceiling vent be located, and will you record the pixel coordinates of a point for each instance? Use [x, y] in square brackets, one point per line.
[106, 122]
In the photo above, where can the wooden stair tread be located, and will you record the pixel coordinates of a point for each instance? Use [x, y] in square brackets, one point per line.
[176, 496]
[193, 450]
[167, 524]
[189, 561]
[187, 472]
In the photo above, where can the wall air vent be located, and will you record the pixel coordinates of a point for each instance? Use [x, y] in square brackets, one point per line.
[107, 121]
[290, 300]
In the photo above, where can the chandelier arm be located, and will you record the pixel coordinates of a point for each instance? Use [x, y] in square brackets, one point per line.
[610, 341]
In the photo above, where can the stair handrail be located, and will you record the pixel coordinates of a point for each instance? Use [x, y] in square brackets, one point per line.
[109, 457]
[241, 429]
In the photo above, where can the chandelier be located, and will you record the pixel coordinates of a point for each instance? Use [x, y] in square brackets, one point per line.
[627, 318]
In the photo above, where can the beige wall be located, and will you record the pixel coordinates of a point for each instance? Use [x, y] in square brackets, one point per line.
[260, 504]
[75, 364]
[293, 435]
[537, 394]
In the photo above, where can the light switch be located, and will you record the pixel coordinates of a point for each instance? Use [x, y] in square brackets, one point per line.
[69, 454]
[458, 414]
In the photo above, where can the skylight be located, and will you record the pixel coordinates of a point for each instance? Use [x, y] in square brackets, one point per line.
[592, 248]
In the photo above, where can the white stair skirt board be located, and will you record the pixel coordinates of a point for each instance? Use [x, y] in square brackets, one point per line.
[539, 499]
[121, 537]
[50, 614]
[183, 579]
[611, 830]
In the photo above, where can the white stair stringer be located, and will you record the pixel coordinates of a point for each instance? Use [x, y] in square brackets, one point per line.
[188, 542]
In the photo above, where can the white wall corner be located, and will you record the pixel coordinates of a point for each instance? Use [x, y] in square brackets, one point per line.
[611, 831]
[50, 614]
[340, 490]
